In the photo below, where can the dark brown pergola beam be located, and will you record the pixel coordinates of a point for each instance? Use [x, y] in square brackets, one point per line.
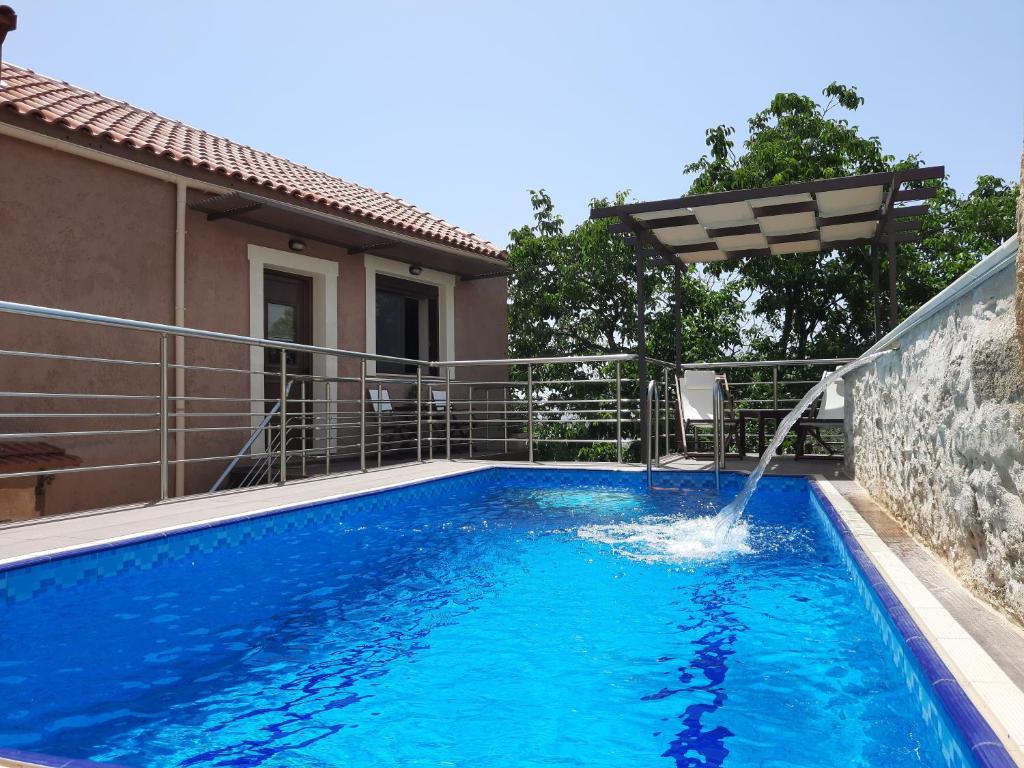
[743, 229]
[921, 193]
[797, 237]
[693, 248]
[747, 253]
[848, 218]
[671, 221]
[784, 209]
[909, 210]
[924, 173]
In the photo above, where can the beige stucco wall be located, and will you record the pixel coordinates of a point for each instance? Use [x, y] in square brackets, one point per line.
[77, 234]
[935, 433]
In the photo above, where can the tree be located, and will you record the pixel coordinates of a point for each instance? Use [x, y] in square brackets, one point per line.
[574, 293]
[955, 234]
[821, 304]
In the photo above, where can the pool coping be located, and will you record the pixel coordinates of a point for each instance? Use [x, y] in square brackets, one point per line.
[977, 694]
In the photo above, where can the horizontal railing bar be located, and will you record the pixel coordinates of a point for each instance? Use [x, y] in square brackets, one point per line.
[218, 369]
[81, 433]
[75, 358]
[75, 415]
[767, 363]
[535, 360]
[72, 470]
[576, 440]
[79, 396]
[50, 313]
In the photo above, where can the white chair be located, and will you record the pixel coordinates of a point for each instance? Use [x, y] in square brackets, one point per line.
[380, 400]
[830, 411]
[439, 399]
[438, 405]
[696, 389]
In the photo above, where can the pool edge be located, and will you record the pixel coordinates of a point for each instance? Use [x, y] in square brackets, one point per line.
[156, 532]
[965, 703]
[981, 719]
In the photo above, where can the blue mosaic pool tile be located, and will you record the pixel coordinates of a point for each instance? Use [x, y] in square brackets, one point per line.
[974, 729]
[50, 761]
[991, 755]
[31, 578]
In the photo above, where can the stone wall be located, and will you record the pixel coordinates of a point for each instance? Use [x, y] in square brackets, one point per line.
[935, 433]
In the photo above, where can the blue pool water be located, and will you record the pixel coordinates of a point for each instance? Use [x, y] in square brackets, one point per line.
[510, 617]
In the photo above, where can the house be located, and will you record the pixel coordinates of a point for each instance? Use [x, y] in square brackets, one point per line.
[110, 209]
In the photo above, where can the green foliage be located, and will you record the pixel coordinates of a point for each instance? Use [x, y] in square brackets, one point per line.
[821, 304]
[573, 291]
[955, 234]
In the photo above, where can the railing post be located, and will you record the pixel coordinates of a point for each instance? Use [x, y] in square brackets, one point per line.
[471, 421]
[430, 427]
[330, 409]
[284, 416]
[362, 415]
[164, 468]
[668, 445]
[618, 411]
[380, 423]
[302, 417]
[419, 413]
[529, 410]
[448, 414]
[775, 387]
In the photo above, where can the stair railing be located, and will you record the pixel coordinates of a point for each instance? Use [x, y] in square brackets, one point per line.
[649, 403]
[244, 450]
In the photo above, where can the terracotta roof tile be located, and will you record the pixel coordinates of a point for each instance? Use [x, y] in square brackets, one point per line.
[30, 94]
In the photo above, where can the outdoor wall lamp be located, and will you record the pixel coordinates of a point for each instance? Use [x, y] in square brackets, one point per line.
[297, 245]
[415, 269]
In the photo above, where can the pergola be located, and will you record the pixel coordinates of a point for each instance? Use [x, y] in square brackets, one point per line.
[878, 210]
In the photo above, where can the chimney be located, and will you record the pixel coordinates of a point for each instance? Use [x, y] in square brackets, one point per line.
[8, 22]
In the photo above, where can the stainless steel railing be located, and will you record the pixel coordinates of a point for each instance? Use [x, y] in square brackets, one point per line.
[718, 399]
[120, 412]
[760, 387]
[651, 403]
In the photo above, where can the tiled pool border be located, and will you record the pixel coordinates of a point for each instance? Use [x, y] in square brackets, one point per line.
[985, 745]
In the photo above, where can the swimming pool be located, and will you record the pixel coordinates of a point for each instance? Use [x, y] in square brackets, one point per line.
[527, 617]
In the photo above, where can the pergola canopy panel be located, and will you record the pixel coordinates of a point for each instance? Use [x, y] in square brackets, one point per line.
[804, 217]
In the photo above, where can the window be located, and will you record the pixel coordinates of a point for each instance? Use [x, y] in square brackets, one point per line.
[408, 322]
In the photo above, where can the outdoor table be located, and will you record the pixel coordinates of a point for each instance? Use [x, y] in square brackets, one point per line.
[762, 415]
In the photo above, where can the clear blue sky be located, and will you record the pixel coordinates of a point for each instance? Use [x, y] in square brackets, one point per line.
[461, 107]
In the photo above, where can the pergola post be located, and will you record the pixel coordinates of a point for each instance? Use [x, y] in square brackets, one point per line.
[677, 289]
[894, 311]
[641, 352]
[876, 299]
